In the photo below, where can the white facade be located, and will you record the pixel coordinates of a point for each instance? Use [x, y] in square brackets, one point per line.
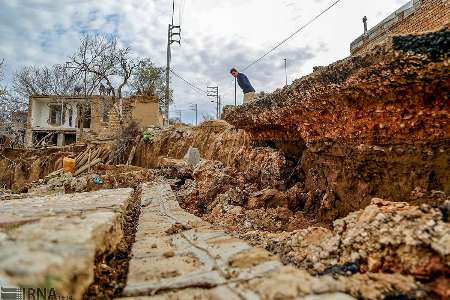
[53, 114]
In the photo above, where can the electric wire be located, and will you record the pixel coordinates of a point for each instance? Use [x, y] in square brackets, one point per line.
[196, 88]
[292, 35]
[193, 86]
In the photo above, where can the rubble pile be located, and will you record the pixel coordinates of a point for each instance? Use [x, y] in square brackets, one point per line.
[368, 126]
[100, 177]
[385, 237]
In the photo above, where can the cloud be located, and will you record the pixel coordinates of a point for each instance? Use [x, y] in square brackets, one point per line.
[216, 35]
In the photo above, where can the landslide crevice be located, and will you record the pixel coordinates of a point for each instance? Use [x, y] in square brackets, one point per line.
[111, 267]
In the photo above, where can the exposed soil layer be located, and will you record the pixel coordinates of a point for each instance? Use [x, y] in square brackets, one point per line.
[111, 267]
[381, 97]
[216, 140]
[368, 126]
[20, 167]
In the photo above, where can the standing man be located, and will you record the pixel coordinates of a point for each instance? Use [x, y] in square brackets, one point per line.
[246, 86]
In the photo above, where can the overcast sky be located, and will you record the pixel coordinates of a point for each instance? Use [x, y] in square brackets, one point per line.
[216, 35]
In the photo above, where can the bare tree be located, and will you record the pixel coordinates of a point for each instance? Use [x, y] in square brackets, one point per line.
[101, 56]
[54, 80]
[9, 104]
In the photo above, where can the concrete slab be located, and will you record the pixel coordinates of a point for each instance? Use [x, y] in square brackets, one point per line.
[52, 241]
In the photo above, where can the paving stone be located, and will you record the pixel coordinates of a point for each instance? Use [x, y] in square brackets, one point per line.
[32, 209]
[57, 245]
[192, 156]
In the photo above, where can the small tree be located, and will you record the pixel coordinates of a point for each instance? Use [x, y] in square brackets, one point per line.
[54, 80]
[149, 80]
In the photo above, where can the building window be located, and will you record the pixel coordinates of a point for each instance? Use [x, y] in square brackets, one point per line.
[56, 115]
[70, 117]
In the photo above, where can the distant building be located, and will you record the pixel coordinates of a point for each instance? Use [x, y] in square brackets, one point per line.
[416, 16]
[57, 120]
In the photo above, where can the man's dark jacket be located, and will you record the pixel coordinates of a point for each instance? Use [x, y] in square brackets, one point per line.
[244, 83]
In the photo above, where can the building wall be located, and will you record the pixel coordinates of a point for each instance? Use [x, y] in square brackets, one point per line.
[142, 109]
[147, 114]
[40, 112]
[417, 16]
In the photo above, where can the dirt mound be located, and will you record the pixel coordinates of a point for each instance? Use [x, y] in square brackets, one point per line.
[385, 237]
[101, 177]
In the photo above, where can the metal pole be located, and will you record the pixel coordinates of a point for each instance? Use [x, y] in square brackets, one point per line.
[220, 107]
[196, 114]
[217, 104]
[167, 100]
[235, 91]
[285, 70]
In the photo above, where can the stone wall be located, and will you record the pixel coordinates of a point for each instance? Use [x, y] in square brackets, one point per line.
[417, 16]
[143, 110]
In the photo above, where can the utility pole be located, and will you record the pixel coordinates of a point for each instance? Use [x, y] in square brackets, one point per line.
[220, 108]
[213, 91]
[285, 70]
[173, 36]
[194, 107]
[179, 115]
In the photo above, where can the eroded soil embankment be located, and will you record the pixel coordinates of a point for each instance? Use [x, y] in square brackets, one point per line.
[20, 167]
[375, 125]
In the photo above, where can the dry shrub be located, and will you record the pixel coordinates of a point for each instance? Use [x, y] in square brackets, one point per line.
[125, 140]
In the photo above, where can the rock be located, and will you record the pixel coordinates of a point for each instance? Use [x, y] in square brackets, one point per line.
[79, 184]
[268, 198]
[169, 254]
[385, 237]
[192, 157]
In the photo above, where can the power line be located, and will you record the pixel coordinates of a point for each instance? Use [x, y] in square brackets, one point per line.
[193, 86]
[292, 35]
